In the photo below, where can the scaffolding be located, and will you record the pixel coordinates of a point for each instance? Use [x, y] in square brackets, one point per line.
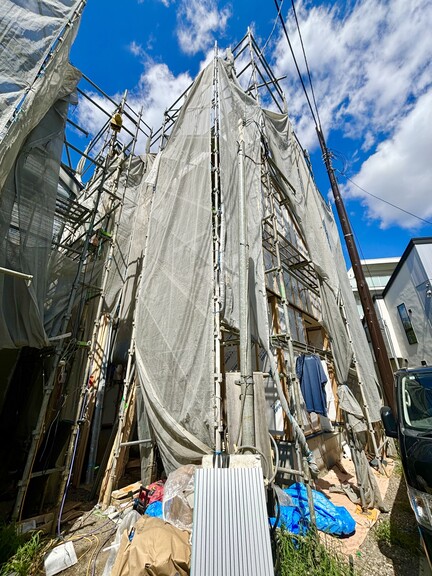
[95, 270]
[87, 216]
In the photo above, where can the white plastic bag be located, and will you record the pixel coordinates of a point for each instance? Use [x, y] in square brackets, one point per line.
[178, 497]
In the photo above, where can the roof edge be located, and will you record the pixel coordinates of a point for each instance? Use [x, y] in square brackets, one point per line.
[413, 242]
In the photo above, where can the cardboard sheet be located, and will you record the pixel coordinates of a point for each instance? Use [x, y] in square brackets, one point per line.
[156, 549]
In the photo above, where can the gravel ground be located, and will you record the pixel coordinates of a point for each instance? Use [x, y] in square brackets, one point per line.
[392, 546]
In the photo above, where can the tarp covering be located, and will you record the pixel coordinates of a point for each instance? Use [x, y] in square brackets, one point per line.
[331, 519]
[237, 106]
[30, 157]
[125, 270]
[153, 547]
[27, 207]
[58, 80]
[175, 311]
[318, 226]
[28, 30]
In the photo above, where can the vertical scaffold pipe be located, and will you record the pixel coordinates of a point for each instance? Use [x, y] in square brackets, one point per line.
[74, 438]
[247, 384]
[218, 278]
[108, 264]
[37, 433]
[360, 380]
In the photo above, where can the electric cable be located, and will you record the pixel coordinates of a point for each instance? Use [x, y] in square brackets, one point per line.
[306, 61]
[258, 451]
[94, 552]
[278, 507]
[385, 201]
[296, 65]
[110, 535]
[317, 117]
[272, 31]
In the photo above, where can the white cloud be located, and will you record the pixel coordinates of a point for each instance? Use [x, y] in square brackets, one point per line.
[157, 90]
[197, 22]
[371, 64]
[367, 64]
[164, 2]
[136, 49]
[400, 171]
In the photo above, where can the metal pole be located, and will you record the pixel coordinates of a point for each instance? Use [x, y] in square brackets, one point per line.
[252, 60]
[247, 384]
[218, 258]
[24, 482]
[123, 406]
[101, 384]
[9, 272]
[97, 418]
[378, 345]
[80, 407]
[304, 455]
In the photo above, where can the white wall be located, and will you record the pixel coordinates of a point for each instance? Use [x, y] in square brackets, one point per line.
[410, 287]
[387, 325]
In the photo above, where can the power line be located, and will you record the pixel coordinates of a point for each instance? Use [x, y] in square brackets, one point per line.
[306, 61]
[295, 63]
[318, 122]
[385, 201]
[273, 29]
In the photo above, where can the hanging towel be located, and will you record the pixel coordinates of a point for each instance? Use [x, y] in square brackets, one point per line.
[312, 383]
[326, 421]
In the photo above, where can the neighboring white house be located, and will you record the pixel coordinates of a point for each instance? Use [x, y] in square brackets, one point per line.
[407, 301]
[402, 290]
[377, 273]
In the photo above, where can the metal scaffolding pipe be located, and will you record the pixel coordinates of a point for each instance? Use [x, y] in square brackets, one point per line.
[9, 272]
[247, 383]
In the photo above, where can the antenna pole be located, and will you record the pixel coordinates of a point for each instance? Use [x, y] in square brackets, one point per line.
[383, 363]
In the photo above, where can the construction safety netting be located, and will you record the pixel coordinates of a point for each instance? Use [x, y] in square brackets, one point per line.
[316, 221]
[174, 338]
[27, 220]
[175, 315]
[28, 32]
[31, 135]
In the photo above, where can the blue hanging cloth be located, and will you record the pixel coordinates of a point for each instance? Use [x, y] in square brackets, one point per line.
[312, 379]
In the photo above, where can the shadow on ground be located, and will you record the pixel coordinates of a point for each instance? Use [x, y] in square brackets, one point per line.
[398, 535]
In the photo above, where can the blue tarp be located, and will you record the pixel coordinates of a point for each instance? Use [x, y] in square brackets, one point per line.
[154, 509]
[331, 519]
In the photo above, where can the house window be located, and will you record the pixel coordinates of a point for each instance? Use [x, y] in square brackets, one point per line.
[406, 323]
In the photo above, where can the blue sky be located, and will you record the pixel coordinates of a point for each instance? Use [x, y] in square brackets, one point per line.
[371, 63]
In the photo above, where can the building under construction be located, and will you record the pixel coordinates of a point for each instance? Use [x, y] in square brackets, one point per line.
[165, 305]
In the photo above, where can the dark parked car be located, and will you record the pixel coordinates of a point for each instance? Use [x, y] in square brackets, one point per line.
[412, 426]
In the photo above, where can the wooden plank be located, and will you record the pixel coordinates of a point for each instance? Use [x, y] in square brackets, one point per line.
[103, 497]
[127, 429]
[124, 492]
[280, 359]
[42, 522]
[93, 385]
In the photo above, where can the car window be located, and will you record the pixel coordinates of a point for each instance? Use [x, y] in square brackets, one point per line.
[416, 397]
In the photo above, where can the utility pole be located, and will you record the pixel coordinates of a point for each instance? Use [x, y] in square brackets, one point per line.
[378, 345]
